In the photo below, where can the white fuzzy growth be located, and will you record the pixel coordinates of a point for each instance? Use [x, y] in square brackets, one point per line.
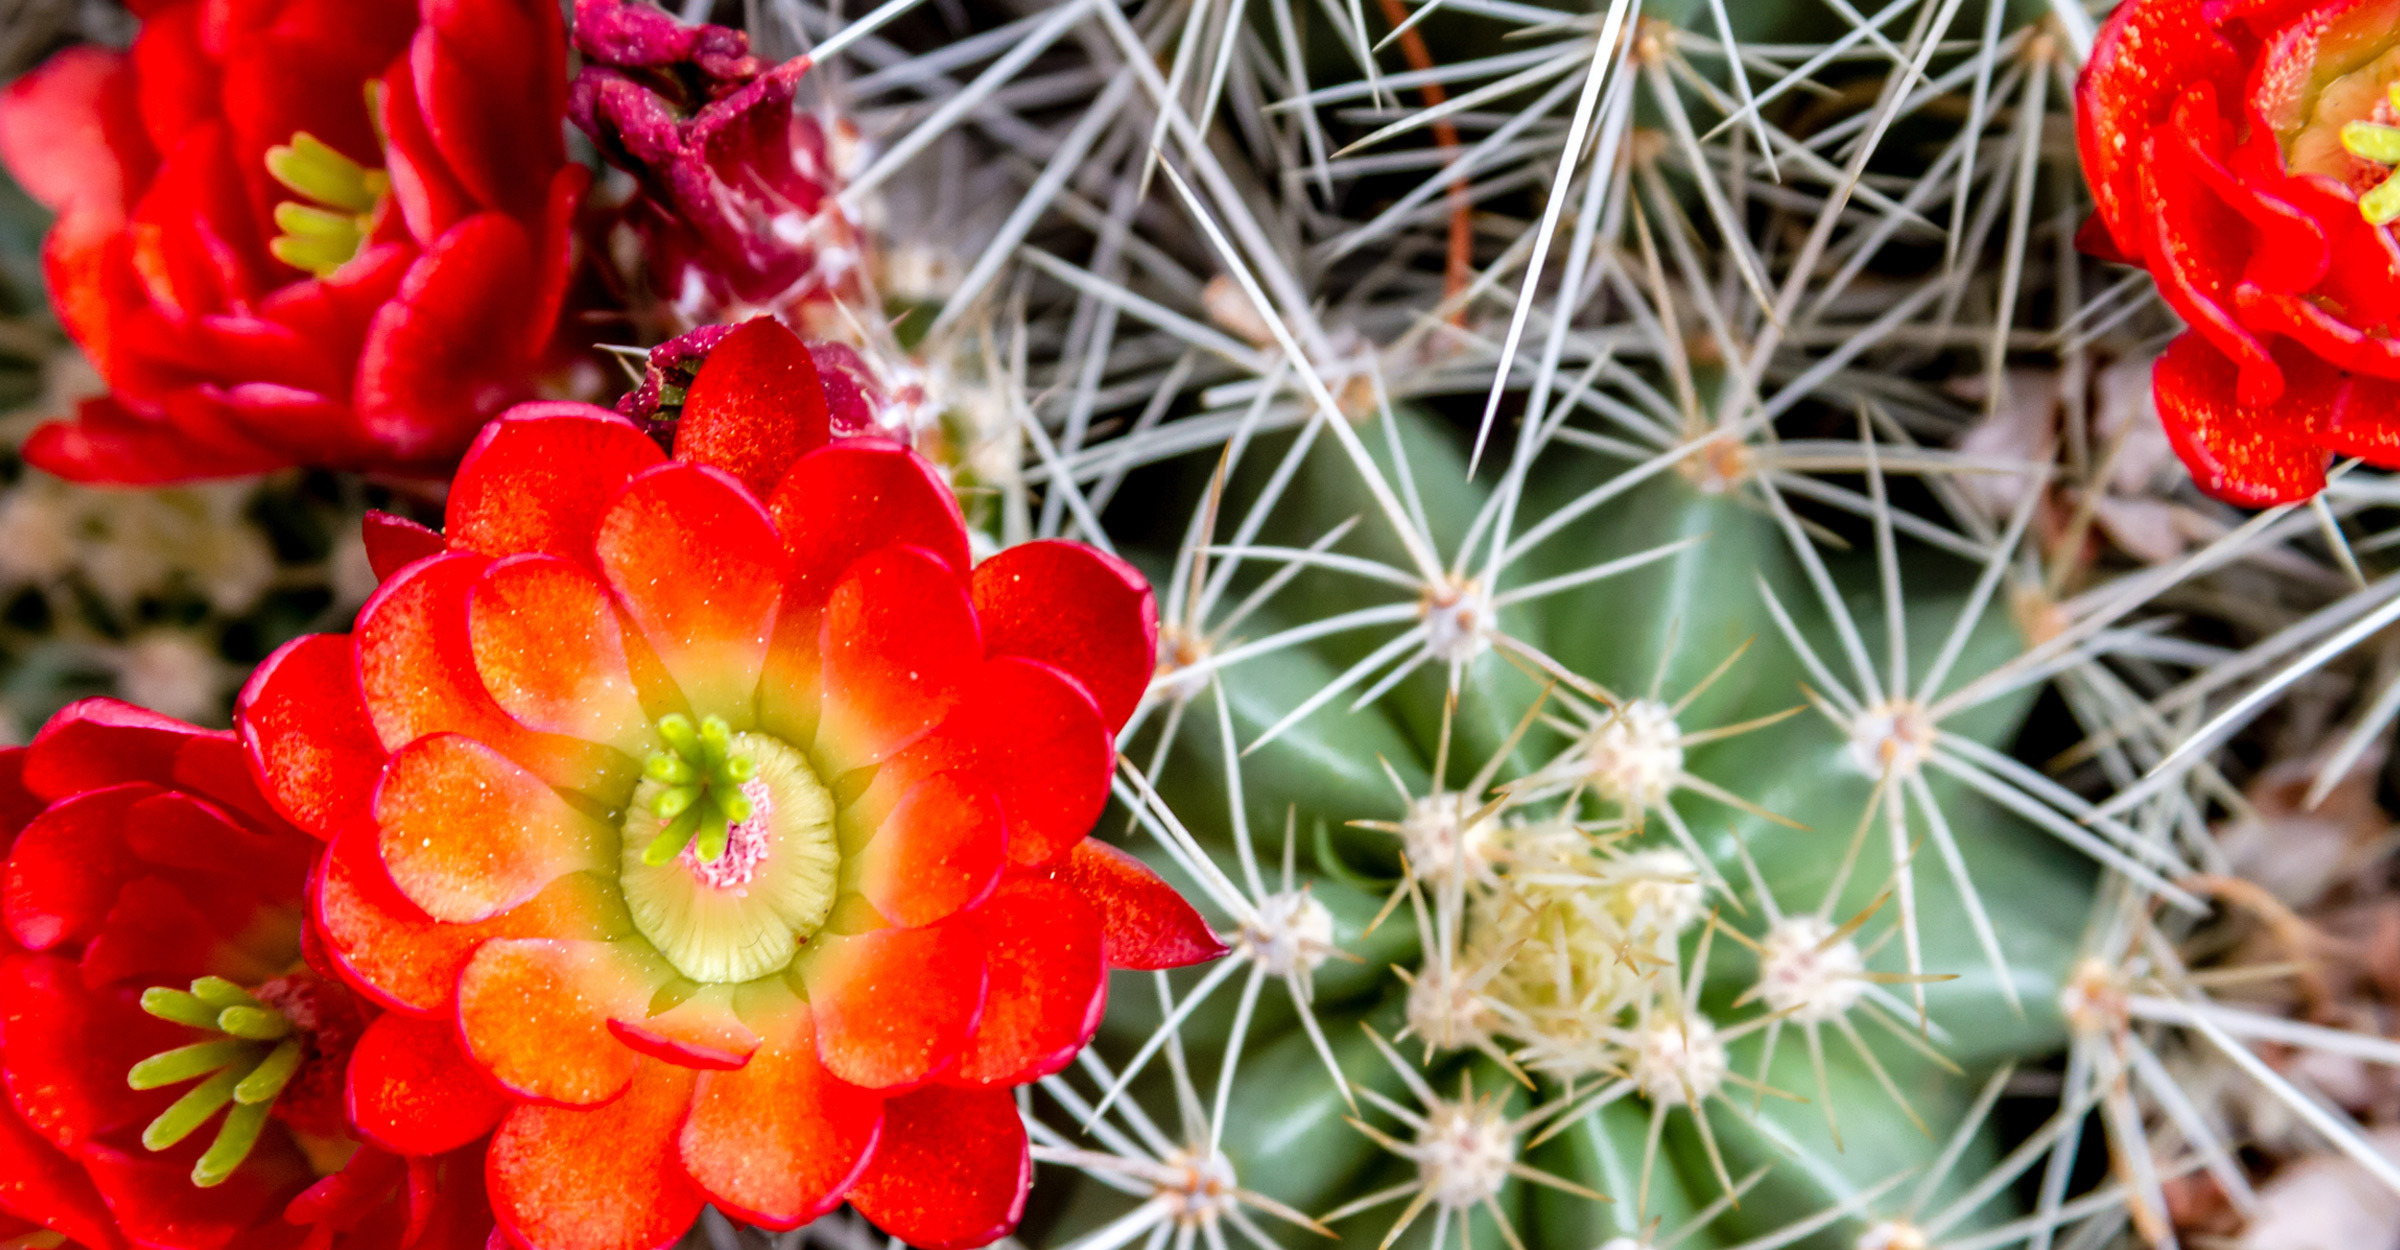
[1625, 1243]
[1445, 1010]
[1201, 1189]
[1464, 1153]
[1291, 935]
[1661, 890]
[1679, 1060]
[1803, 973]
[1636, 755]
[1445, 843]
[1458, 622]
[1893, 1235]
[1891, 739]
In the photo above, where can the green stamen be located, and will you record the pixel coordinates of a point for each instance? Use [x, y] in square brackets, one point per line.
[234, 1140]
[327, 226]
[2373, 141]
[247, 1067]
[271, 1075]
[701, 776]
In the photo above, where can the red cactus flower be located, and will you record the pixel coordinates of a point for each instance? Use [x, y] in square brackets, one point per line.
[736, 211]
[326, 232]
[2243, 152]
[174, 1067]
[734, 822]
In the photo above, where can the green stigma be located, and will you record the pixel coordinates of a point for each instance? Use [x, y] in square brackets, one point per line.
[329, 223]
[701, 797]
[2374, 141]
[246, 1065]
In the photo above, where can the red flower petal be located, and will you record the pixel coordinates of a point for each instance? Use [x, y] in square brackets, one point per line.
[40, 1181]
[416, 664]
[844, 500]
[2366, 423]
[442, 355]
[1076, 607]
[893, 1006]
[535, 1012]
[468, 834]
[71, 135]
[96, 743]
[754, 407]
[699, 1032]
[68, 1050]
[491, 77]
[1048, 983]
[1144, 923]
[412, 1090]
[1032, 734]
[938, 852]
[694, 560]
[395, 542]
[899, 643]
[389, 950]
[547, 644]
[155, 1203]
[539, 478]
[2251, 456]
[307, 733]
[2144, 55]
[779, 1142]
[950, 1171]
[2198, 245]
[602, 1178]
[64, 873]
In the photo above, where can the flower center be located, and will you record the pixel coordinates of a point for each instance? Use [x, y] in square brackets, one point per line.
[329, 223]
[252, 1053]
[703, 792]
[729, 851]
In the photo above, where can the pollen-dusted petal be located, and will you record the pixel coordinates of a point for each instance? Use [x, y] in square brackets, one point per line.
[950, 1171]
[1075, 607]
[938, 852]
[899, 645]
[850, 497]
[64, 873]
[547, 644]
[467, 834]
[1033, 734]
[596, 1178]
[68, 1050]
[305, 726]
[37, 1176]
[893, 1006]
[412, 1090]
[695, 561]
[1047, 984]
[754, 407]
[539, 478]
[1144, 923]
[416, 665]
[535, 1013]
[699, 1032]
[2366, 423]
[155, 1203]
[388, 949]
[2141, 60]
[2251, 456]
[780, 1141]
[395, 542]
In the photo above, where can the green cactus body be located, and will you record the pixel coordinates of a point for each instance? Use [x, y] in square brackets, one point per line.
[1658, 631]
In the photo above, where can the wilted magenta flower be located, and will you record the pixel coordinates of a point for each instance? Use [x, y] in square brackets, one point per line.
[736, 210]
